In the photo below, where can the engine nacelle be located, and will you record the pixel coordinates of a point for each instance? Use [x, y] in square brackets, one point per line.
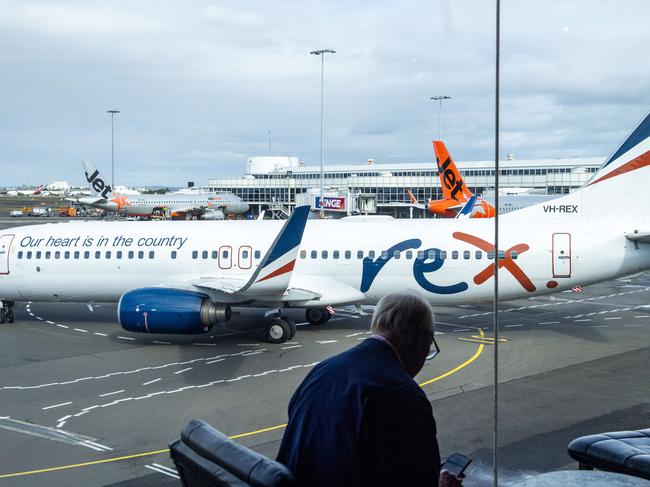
[212, 215]
[162, 310]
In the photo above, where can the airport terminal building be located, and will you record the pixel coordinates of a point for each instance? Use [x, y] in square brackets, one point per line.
[275, 181]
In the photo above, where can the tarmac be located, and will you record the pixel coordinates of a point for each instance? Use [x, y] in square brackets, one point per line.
[83, 402]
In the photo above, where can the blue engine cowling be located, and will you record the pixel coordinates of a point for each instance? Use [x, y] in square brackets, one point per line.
[162, 310]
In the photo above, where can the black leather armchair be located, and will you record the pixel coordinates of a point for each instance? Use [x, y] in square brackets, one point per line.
[620, 451]
[205, 457]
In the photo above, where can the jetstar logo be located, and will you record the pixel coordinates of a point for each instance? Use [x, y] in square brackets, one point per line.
[121, 201]
[449, 178]
[98, 184]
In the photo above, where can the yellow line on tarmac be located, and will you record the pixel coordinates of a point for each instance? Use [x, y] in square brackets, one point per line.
[241, 435]
[479, 350]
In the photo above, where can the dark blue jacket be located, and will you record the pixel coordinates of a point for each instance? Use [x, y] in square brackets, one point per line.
[359, 419]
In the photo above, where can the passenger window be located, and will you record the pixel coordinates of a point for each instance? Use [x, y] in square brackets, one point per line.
[86, 254]
[76, 254]
[215, 254]
[502, 254]
[348, 254]
[490, 254]
[244, 254]
[514, 254]
[324, 254]
[454, 254]
[359, 254]
[409, 254]
[443, 254]
[224, 254]
[131, 254]
[431, 254]
[257, 254]
[396, 254]
[98, 254]
[303, 254]
[204, 254]
[38, 254]
[48, 254]
[151, 254]
[118, 254]
[57, 254]
[66, 254]
[466, 254]
[195, 254]
[314, 254]
[173, 254]
[20, 254]
[479, 255]
[140, 254]
[384, 254]
[108, 254]
[335, 254]
[371, 255]
[29, 254]
[420, 255]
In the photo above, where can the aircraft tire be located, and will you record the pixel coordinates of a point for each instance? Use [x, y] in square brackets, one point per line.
[277, 331]
[317, 316]
[292, 328]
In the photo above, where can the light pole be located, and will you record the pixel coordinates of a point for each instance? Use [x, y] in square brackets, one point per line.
[112, 112]
[321, 53]
[439, 100]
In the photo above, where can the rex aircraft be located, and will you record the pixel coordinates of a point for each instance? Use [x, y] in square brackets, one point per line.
[184, 277]
[204, 206]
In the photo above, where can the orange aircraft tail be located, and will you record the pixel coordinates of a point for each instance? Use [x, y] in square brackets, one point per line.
[453, 185]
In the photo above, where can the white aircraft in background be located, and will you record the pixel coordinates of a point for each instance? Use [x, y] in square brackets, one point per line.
[184, 277]
[203, 206]
[38, 191]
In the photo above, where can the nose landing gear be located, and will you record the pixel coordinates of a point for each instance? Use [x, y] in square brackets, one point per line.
[7, 312]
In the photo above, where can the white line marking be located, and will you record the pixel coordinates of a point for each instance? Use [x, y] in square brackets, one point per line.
[291, 346]
[99, 445]
[81, 330]
[126, 338]
[100, 334]
[159, 470]
[39, 318]
[205, 344]
[248, 344]
[325, 342]
[614, 318]
[642, 316]
[215, 361]
[50, 322]
[586, 319]
[512, 326]
[549, 322]
[57, 405]
[183, 370]
[62, 326]
[600, 326]
[111, 393]
[151, 381]
[171, 470]
[162, 343]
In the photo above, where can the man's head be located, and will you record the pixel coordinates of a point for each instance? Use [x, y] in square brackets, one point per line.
[406, 321]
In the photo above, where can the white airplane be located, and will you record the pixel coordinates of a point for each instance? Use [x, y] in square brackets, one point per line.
[203, 206]
[184, 277]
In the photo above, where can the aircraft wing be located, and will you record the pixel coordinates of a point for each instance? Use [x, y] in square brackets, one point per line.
[271, 278]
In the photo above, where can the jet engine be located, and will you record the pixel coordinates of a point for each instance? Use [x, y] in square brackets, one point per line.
[162, 310]
[210, 214]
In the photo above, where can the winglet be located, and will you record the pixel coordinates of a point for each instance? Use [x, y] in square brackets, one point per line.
[452, 183]
[274, 272]
[467, 210]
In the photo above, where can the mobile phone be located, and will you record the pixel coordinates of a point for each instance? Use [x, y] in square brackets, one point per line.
[456, 464]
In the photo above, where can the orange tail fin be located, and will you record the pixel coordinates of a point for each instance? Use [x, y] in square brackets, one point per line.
[453, 185]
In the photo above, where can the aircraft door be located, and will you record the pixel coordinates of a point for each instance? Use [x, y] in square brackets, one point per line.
[561, 255]
[225, 257]
[5, 245]
[245, 260]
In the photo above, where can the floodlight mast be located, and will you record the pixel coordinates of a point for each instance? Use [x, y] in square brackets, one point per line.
[439, 99]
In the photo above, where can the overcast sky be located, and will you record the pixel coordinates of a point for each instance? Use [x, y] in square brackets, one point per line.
[200, 83]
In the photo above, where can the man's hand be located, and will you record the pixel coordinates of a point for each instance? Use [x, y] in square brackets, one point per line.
[448, 480]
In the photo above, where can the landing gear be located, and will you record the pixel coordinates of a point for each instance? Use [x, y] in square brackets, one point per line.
[278, 328]
[317, 316]
[7, 312]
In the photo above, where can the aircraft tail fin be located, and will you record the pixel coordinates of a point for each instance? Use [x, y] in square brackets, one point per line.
[414, 200]
[468, 209]
[452, 183]
[98, 185]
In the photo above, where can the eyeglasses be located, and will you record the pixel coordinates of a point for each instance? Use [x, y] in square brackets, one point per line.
[433, 349]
